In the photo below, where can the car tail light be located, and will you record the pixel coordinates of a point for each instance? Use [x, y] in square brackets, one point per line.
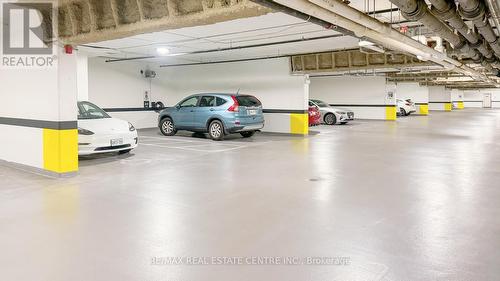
[235, 106]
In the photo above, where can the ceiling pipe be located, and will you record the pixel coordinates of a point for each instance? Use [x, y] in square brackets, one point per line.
[294, 13]
[417, 10]
[494, 8]
[352, 18]
[446, 11]
[475, 11]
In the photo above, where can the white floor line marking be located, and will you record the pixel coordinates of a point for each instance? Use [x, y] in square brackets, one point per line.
[196, 150]
[197, 144]
[167, 139]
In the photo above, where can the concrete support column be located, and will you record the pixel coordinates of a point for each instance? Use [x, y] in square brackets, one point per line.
[439, 98]
[418, 94]
[457, 98]
[367, 97]
[38, 115]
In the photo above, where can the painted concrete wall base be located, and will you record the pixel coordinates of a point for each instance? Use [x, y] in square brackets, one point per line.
[299, 123]
[60, 151]
[391, 113]
[422, 109]
[440, 106]
[37, 171]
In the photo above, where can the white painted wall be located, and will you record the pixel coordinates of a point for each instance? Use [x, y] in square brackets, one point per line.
[439, 96]
[413, 91]
[82, 77]
[349, 90]
[457, 97]
[121, 85]
[474, 98]
[117, 85]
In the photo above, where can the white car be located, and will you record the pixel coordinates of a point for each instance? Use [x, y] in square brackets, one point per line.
[332, 115]
[99, 133]
[406, 107]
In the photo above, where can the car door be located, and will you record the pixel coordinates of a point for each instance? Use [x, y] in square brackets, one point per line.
[206, 109]
[184, 117]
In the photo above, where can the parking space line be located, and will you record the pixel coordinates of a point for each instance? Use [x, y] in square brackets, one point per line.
[190, 148]
[193, 141]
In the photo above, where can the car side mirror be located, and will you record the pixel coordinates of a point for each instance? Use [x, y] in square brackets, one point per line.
[178, 107]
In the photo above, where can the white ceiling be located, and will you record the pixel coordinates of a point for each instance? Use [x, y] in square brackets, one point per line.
[270, 28]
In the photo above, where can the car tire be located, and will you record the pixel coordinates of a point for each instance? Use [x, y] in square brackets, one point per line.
[121, 152]
[216, 130]
[247, 134]
[167, 127]
[330, 119]
[403, 112]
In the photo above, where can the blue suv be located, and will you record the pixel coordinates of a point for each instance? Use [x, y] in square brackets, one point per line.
[215, 114]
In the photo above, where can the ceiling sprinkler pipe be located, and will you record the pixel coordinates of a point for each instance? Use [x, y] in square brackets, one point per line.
[446, 11]
[475, 11]
[494, 8]
[338, 8]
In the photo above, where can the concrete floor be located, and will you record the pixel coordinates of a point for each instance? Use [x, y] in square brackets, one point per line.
[412, 200]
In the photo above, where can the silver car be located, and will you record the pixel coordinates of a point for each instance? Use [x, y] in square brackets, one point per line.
[332, 115]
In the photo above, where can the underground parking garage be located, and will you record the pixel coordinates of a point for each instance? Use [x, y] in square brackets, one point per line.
[249, 140]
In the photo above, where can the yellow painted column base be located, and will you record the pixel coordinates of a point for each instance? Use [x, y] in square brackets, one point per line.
[448, 106]
[299, 123]
[391, 113]
[460, 105]
[60, 150]
[423, 109]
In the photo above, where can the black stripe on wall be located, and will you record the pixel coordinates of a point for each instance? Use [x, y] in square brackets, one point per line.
[473, 101]
[440, 102]
[142, 109]
[364, 105]
[421, 103]
[132, 109]
[291, 111]
[42, 124]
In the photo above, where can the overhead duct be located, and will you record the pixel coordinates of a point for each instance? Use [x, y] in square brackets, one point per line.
[446, 11]
[352, 19]
[475, 11]
[494, 8]
[417, 10]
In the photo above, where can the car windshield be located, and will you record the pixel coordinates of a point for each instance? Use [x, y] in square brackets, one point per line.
[87, 110]
[320, 103]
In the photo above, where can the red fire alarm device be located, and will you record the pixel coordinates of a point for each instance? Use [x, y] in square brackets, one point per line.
[68, 49]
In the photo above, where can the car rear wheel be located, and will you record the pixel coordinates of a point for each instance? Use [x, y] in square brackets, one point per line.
[403, 112]
[247, 134]
[216, 130]
[330, 119]
[167, 127]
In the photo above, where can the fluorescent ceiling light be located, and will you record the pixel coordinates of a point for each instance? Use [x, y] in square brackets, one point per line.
[162, 51]
[371, 46]
[364, 43]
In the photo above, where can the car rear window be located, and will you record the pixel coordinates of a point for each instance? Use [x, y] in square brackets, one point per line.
[248, 101]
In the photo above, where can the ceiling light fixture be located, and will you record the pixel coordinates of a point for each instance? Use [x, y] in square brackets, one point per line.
[162, 51]
[371, 46]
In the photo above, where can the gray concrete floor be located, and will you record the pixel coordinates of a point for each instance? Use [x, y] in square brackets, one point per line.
[412, 200]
